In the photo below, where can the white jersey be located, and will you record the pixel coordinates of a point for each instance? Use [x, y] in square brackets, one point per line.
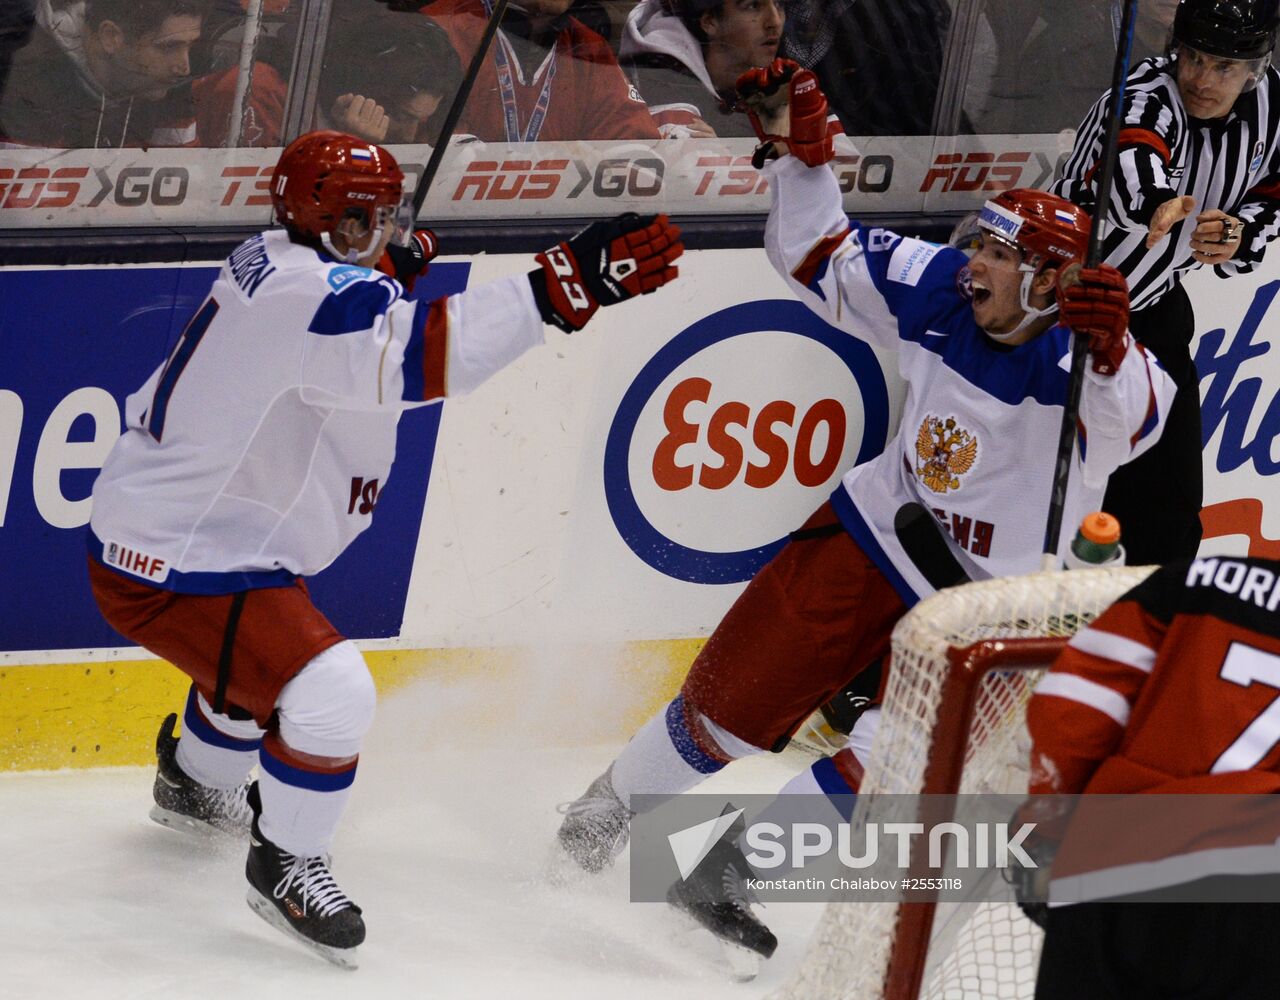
[978, 439]
[256, 452]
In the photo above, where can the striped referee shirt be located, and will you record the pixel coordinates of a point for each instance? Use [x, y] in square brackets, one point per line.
[1230, 163]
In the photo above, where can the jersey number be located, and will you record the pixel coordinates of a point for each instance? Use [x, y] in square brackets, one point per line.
[1245, 665]
[182, 351]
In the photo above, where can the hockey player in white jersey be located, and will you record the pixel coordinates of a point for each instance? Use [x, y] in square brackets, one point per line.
[984, 347]
[253, 457]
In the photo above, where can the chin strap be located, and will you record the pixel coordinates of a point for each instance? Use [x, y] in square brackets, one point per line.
[354, 253]
[1029, 312]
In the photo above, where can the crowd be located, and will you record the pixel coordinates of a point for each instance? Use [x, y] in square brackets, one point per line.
[120, 73]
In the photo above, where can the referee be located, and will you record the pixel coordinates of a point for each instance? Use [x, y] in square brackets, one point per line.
[1197, 183]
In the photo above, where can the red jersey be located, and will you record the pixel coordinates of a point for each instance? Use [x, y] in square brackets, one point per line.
[577, 91]
[1173, 692]
[1170, 690]
[263, 108]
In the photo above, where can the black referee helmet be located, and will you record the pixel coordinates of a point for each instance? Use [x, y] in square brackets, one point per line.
[1228, 29]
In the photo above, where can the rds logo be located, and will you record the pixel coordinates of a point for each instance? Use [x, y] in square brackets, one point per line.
[734, 432]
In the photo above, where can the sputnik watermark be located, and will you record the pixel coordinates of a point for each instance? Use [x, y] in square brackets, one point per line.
[805, 848]
[977, 845]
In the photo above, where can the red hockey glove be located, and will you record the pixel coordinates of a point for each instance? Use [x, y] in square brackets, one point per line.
[786, 105]
[1097, 307]
[606, 263]
[408, 264]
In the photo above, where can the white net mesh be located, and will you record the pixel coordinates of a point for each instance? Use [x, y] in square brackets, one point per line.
[976, 951]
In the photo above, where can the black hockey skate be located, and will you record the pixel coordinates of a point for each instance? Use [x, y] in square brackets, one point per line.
[182, 803]
[596, 825]
[299, 896]
[717, 896]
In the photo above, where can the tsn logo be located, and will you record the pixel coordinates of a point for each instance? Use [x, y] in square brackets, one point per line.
[729, 176]
[249, 186]
[780, 451]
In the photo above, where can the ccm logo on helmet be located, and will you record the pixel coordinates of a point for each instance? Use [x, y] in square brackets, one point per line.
[713, 455]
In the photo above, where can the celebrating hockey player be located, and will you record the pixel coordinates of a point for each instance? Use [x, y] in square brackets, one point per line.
[254, 456]
[984, 346]
[1171, 692]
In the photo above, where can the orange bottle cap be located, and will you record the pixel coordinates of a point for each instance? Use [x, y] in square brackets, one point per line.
[1100, 528]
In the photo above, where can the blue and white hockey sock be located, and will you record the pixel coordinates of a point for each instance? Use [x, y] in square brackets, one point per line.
[216, 750]
[303, 797]
[673, 752]
[309, 763]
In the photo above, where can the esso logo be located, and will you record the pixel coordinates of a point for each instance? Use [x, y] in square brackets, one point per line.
[734, 432]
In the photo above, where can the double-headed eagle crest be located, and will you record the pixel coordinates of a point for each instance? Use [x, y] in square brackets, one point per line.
[944, 453]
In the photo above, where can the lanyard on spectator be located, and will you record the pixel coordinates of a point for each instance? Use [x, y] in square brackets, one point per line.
[507, 90]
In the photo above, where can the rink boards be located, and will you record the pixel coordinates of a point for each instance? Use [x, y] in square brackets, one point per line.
[576, 524]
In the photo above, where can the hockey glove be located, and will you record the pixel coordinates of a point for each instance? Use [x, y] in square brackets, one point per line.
[786, 105]
[407, 264]
[608, 262]
[1097, 306]
[1049, 816]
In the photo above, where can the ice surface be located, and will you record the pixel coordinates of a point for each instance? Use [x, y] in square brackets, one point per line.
[446, 847]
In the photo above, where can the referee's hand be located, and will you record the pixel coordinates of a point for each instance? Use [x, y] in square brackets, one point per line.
[1216, 238]
[1167, 216]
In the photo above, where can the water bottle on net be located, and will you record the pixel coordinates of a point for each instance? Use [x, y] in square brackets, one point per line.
[1097, 543]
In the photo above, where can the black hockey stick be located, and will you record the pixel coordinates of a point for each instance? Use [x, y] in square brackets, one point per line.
[455, 109]
[921, 539]
[1080, 345]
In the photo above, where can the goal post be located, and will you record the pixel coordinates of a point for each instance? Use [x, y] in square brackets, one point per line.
[953, 721]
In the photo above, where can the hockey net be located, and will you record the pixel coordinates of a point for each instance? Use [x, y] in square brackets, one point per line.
[964, 663]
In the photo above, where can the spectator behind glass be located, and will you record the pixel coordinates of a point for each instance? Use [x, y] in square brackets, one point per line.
[1073, 45]
[388, 77]
[17, 22]
[385, 78]
[1153, 28]
[104, 73]
[546, 77]
[686, 55]
[264, 101]
[878, 61]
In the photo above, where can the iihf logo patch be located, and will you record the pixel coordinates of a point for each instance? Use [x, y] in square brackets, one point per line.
[1259, 148]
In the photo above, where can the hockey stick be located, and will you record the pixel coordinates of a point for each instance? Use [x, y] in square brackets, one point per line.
[1079, 347]
[921, 539]
[455, 109]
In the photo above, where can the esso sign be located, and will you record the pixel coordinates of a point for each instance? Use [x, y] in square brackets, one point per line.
[734, 432]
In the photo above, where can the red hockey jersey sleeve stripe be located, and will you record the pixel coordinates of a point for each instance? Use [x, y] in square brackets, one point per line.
[1116, 648]
[1080, 689]
[814, 264]
[426, 354]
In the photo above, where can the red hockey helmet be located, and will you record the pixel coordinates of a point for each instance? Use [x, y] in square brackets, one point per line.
[323, 176]
[1047, 229]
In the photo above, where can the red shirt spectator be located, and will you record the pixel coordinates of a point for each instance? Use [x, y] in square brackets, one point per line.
[547, 76]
